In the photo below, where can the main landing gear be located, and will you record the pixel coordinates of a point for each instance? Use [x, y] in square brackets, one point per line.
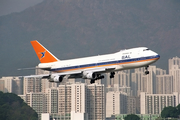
[112, 74]
[92, 81]
[101, 77]
[146, 72]
[98, 77]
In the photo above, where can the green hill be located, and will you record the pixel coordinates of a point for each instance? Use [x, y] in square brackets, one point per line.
[12, 107]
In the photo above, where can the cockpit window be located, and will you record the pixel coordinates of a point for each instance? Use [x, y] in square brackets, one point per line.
[146, 49]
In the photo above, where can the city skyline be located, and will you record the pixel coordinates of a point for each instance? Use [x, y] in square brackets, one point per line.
[126, 93]
[81, 28]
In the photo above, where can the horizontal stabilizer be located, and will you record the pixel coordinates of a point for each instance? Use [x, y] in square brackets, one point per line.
[33, 68]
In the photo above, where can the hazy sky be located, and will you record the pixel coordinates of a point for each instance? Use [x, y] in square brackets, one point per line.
[10, 6]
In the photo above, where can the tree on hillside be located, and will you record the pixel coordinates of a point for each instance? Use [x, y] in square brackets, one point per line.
[12, 107]
[178, 109]
[132, 117]
[170, 111]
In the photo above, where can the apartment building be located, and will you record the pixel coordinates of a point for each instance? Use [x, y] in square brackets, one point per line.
[116, 103]
[154, 103]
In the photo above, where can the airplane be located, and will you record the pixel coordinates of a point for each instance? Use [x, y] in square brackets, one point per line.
[92, 67]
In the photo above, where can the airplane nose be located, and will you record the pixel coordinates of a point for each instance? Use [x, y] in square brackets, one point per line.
[156, 55]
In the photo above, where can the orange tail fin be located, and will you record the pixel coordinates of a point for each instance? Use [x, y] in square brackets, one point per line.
[43, 54]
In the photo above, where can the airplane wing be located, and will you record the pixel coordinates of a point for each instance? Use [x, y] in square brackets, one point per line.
[37, 76]
[96, 70]
[47, 75]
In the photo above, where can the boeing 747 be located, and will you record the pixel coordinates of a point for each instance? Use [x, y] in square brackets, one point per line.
[92, 67]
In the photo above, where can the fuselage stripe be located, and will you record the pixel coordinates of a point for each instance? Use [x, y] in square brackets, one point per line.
[103, 64]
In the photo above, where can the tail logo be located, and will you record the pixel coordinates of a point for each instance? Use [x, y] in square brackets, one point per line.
[43, 54]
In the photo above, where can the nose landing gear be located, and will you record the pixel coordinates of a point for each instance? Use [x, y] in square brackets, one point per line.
[146, 72]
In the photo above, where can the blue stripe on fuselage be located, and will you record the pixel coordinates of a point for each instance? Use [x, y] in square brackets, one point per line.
[106, 63]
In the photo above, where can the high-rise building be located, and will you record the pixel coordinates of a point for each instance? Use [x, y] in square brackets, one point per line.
[116, 103]
[71, 81]
[160, 71]
[174, 70]
[17, 86]
[174, 61]
[154, 103]
[145, 83]
[2, 85]
[79, 102]
[164, 84]
[133, 105]
[122, 78]
[150, 79]
[82, 101]
[32, 85]
[118, 88]
[45, 84]
[11, 84]
[78, 98]
[7, 84]
[110, 81]
[96, 105]
[38, 101]
[64, 99]
[142, 82]
[52, 100]
[137, 81]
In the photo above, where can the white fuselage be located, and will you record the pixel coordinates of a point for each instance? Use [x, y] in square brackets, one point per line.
[124, 59]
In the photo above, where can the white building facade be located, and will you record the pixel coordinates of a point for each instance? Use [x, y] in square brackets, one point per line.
[116, 103]
[154, 103]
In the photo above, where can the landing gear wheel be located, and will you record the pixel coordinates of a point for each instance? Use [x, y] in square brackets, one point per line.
[101, 77]
[146, 72]
[112, 74]
[146, 68]
[92, 81]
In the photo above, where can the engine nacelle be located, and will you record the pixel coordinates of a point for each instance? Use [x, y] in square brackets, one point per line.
[88, 75]
[55, 78]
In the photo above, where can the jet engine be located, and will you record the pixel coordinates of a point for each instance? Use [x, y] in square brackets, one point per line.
[88, 75]
[55, 78]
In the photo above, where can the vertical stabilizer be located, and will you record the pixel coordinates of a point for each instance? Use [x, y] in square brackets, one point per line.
[43, 54]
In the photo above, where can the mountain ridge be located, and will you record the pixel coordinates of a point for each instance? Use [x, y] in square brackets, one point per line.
[79, 28]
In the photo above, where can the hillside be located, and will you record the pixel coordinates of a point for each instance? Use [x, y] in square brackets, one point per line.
[78, 28]
[12, 107]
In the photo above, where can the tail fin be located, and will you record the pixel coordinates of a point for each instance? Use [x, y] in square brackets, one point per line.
[43, 54]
